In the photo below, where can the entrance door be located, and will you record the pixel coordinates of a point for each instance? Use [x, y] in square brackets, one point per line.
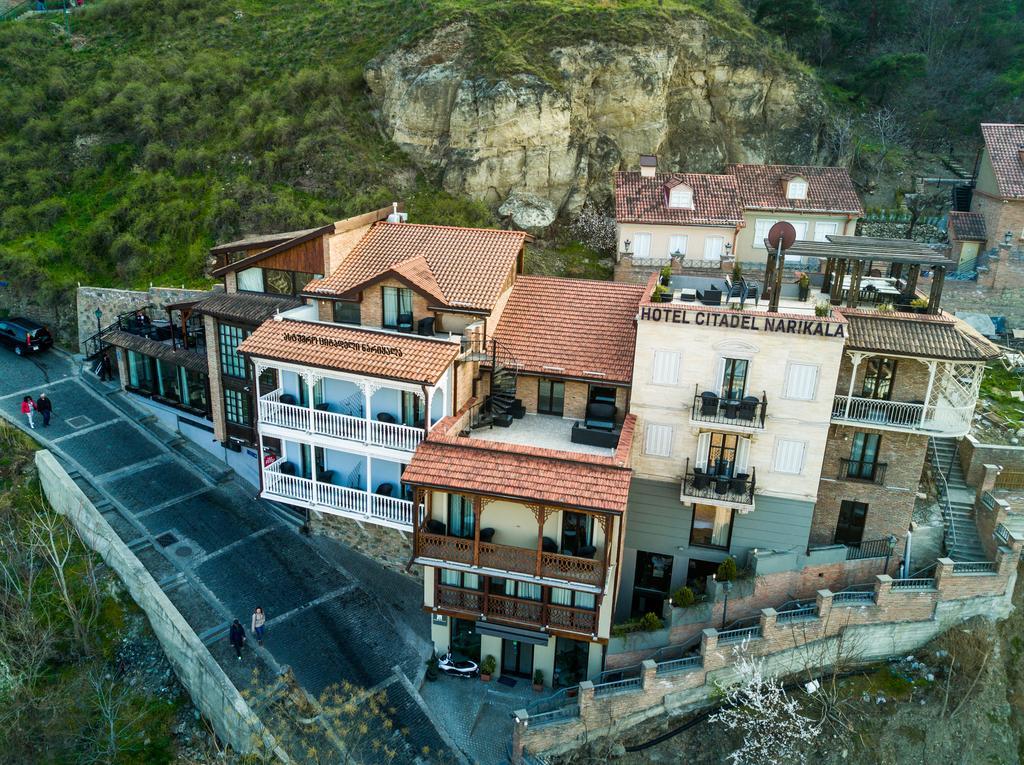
[516, 658]
[850, 526]
[651, 583]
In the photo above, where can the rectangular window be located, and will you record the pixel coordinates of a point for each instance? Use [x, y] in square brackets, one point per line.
[641, 245]
[551, 397]
[466, 581]
[734, 379]
[413, 412]
[236, 407]
[879, 374]
[169, 381]
[194, 385]
[232, 363]
[722, 451]
[801, 382]
[823, 230]
[864, 456]
[573, 599]
[140, 372]
[711, 527]
[346, 313]
[301, 279]
[577, 532]
[850, 526]
[397, 308]
[665, 369]
[797, 189]
[761, 228]
[598, 394]
[460, 516]
[789, 456]
[713, 247]
[681, 196]
[677, 244]
[250, 280]
[658, 440]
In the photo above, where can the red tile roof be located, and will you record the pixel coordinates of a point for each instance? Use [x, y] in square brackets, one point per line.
[523, 473]
[829, 189]
[1004, 143]
[377, 354]
[644, 200]
[465, 267]
[918, 335]
[571, 327]
[967, 226]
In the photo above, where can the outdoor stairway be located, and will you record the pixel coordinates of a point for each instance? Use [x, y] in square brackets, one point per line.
[501, 405]
[962, 538]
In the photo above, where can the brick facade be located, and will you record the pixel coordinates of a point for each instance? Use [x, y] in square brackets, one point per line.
[576, 396]
[1000, 216]
[371, 310]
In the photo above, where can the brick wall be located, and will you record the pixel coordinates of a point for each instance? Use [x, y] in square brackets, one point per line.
[576, 395]
[974, 455]
[216, 389]
[1000, 216]
[371, 310]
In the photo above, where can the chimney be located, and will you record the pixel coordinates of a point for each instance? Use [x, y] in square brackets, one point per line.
[397, 217]
[1020, 154]
[648, 165]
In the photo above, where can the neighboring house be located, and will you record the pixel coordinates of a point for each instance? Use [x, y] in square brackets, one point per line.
[999, 187]
[968, 238]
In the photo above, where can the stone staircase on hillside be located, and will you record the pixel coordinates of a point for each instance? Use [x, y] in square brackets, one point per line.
[962, 541]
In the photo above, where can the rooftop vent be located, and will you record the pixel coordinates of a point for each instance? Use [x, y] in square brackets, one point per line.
[1020, 154]
[648, 165]
[397, 217]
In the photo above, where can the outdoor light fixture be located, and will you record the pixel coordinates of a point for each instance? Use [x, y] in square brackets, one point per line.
[626, 243]
[99, 314]
[1007, 238]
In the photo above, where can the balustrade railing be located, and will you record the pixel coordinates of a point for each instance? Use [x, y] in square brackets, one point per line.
[746, 412]
[533, 613]
[796, 614]
[1002, 534]
[738, 489]
[873, 548]
[679, 665]
[938, 419]
[739, 635]
[861, 470]
[853, 597]
[922, 583]
[975, 567]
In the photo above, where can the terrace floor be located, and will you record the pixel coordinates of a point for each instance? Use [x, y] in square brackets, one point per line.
[543, 431]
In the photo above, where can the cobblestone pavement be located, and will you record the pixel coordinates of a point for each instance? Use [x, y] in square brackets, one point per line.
[217, 551]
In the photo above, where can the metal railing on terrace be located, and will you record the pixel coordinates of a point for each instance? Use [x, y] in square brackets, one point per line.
[746, 412]
[615, 680]
[975, 567]
[905, 416]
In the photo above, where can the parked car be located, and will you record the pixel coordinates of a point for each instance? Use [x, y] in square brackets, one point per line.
[24, 335]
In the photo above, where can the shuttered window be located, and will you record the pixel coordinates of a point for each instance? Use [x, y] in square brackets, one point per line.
[641, 245]
[666, 368]
[658, 440]
[801, 382]
[761, 229]
[789, 456]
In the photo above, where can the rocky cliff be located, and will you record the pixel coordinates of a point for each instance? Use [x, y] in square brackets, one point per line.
[550, 143]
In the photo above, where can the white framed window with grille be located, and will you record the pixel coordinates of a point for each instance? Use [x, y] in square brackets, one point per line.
[823, 229]
[796, 189]
[789, 456]
[801, 381]
[677, 244]
[658, 440]
[681, 197]
[665, 368]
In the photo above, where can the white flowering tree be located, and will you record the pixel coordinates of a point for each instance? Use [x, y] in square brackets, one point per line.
[769, 720]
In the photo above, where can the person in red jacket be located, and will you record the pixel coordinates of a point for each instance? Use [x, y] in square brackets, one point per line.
[28, 406]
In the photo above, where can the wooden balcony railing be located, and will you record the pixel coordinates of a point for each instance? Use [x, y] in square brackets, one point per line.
[531, 613]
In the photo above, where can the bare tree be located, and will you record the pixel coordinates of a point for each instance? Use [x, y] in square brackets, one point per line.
[118, 727]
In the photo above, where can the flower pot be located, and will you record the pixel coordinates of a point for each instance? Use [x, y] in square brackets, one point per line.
[538, 687]
[486, 678]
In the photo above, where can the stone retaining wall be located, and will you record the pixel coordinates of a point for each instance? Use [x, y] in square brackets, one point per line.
[113, 302]
[211, 690]
[974, 455]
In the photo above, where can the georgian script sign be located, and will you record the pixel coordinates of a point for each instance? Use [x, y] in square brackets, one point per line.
[754, 322]
[380, 350]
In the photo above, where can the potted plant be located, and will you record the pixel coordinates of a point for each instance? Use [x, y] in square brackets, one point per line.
[885, 308]
[666, 274]
[919, 304]
[538, 680]
[659, 294]
[487, 667]
[804, 284]
[726, 570]
[822, 309]
[737, 271]
[683, 598]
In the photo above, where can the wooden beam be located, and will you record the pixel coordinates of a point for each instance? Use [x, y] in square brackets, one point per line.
[935, 295]
[853, 294]
[837, 283]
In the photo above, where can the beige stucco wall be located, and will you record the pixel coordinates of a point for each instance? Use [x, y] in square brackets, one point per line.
[661, 236]
[745, 245]
[769, 353]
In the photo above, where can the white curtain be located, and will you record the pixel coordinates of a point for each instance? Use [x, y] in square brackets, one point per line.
[723, 520]
[250, 280]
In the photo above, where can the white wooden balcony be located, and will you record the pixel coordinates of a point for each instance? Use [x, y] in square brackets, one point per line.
[357, 504]
[902, 416]
[272, 411]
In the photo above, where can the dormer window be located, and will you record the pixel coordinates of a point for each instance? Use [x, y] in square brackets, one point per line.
[796, 188]
[680, 197]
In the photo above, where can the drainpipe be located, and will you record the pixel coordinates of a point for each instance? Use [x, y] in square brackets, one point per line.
[906, 554]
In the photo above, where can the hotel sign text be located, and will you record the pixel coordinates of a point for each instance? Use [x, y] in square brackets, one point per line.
[755, 322]
[381, 350]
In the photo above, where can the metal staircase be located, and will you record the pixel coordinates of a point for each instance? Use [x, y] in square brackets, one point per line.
[501, 405]
[957, 501]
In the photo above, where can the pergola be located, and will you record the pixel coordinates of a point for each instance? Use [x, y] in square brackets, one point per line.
[853, 255]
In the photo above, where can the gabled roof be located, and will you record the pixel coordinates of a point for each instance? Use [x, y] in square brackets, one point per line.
[408, 358]
[571, 327]
[250, 308]
[415, 272]
[1003, 143]
[912, 334]
[644, 200]
[468, 267]
[967, 226]
[829, 189]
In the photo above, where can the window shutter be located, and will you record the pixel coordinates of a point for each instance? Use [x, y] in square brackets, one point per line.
[658, 442]
[822, 230]
[742, 455]
[720, 375]
[801, 230]
[703, 445]
[666, 368]
[713, 247]
[789, 456]
[761, 228]
[801, 381]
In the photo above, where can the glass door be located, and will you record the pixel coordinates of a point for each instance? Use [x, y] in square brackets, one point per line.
[516, 658]
[651, 582]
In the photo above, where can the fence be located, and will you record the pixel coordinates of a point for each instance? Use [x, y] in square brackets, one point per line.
[1010, 479]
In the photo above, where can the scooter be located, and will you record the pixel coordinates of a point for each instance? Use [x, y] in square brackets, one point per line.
[457, 668]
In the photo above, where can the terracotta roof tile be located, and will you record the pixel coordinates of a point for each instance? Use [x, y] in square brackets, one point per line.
[377, 354]
[1004, 143]
[468, 266]
[967, 226]
[644, 200]
[829, 189]
[194, 361]
[249, 308]
[909, 334]
[584, 328]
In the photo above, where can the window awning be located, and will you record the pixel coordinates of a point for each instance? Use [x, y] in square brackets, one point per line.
[512, 633]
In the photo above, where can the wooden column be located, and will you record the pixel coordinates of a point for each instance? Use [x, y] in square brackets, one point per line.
[826, 284]
[541, 515]
[769, 281]
[477, 512]
[935, 295]
[837, 281]
[853, 294]
[912, 273]
[895, 270]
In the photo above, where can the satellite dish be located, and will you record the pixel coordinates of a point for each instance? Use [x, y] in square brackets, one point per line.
[781, 236]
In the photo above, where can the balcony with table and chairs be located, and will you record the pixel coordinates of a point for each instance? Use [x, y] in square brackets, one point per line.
[742, 412]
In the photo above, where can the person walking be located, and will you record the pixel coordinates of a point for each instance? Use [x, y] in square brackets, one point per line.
[237, 637]
[106, 373]
[28, 406]
[259, 619]
[45, 408]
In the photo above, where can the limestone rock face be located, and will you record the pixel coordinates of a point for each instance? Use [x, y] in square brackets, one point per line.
[695, 100]
[528, 212]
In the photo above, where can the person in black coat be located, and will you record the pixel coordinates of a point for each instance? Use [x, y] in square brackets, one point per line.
[106, 370]
[237, 637]
[45, 408]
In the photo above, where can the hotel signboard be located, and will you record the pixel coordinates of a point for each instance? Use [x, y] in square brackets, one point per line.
[745, 321]
[380, 350]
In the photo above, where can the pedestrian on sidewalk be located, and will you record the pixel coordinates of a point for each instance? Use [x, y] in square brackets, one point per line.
[45, 408]
[28, 406]
[259, 619]
[106, 373]
[237, 638]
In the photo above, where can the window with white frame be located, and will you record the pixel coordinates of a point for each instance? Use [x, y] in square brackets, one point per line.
[823, 229]
[641, 245]
[789, 456]
[761, 228]
[658, 440]
[681, 197]
[801, 382]
[796, 189]
[713, 247]
[665, 370]
[677, 244]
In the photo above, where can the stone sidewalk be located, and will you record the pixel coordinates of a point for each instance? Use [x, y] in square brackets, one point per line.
[218, 552]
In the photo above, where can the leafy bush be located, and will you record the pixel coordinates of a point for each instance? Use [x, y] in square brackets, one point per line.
[683, 598]
[726, 570]
[488, 665]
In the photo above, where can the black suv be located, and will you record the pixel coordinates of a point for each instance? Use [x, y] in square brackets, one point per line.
[24, 335]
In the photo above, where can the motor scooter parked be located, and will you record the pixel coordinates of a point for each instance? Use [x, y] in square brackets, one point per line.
[457, 668]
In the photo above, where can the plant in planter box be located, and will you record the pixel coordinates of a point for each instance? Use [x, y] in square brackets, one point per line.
[538, 680]
[487, 667]
[822, 309]
[683, 598]
[919, 304]
[666, 274]
[885, 308]
[737, 271]
[659, 294]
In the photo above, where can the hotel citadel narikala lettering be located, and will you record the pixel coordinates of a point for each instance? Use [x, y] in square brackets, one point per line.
[756, 323]
[381, 350]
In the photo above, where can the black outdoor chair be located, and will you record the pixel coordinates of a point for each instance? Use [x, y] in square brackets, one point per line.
[587, 551]
[722, 484]
[701, 480]
[385, 417]
[600, 416]
[748, 408]
[549, 545]
[425, 326]
[486, 535]
[732, 409]
[708, 404]
[322, 407]
[386, 489]
[405, 322]
[288, 398]
[287, 468]
[436, 527]
[738, 483]
[869, 294]
[711, 297]
[325, 476]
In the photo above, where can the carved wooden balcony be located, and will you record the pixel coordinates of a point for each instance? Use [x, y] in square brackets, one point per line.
[530, 613]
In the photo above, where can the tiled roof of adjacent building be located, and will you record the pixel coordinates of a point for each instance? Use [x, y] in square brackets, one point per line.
[468, 267]
[194, 361]
[911, 334]
[408, 358]
[967, 226]
[829, 189]
[1004, 143]
[571, 327]
[524, 473]
[261, 240]
[645, 200]
[250, 308]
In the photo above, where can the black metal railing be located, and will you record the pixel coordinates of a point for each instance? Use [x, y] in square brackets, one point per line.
[702, 485]
[874, 548]
[748, 412]
[862, 470]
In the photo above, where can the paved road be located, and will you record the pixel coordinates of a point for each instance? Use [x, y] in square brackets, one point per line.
[218, 552]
